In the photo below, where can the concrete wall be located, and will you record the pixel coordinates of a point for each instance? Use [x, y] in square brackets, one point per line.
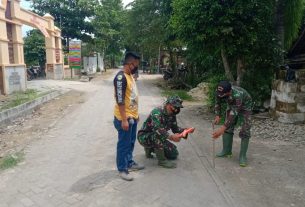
[16, 78]
[55, 71]
[100, 62]
[90, 64]
[288, 99]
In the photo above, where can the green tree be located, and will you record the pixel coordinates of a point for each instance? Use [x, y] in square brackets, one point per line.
[288, 21]
[34, 48]
[148, 29]
[108, 24]
[230, 29]
[71, 16]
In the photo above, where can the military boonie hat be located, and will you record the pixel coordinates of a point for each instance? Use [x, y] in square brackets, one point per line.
[223, 87]
[176, 101]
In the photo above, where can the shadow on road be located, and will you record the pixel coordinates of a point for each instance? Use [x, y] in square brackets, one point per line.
[96, 180]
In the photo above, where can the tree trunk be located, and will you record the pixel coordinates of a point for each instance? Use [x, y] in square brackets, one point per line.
[280, 30]
[172, 62]
[112, 61]
[226, 65]
[159, 58]
[240, 71]
[103, 56]
[68, 43]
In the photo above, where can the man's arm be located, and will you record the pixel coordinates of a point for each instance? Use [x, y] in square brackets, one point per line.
[234, 112]
[175, 128]
[120, 86]
[183, 132]
[125, 124]
[217, 107]
[157, 126]
[160, 128]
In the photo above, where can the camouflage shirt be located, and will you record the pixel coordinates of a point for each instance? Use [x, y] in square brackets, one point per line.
[160, 122]
[238, 102]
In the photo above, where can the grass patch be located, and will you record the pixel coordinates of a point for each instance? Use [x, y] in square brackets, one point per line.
[181, 93]
[72, 79]
[11, 160]
[19, 98]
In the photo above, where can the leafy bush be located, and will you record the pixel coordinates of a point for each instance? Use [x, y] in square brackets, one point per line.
[212, 83]
[258, 84]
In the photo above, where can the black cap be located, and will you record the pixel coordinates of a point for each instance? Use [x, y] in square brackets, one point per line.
[132, 54]
[223, 87]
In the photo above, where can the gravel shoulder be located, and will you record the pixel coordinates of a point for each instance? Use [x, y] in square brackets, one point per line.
[23, 130]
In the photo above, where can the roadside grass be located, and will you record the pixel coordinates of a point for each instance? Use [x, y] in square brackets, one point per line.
[10, 161]
[72, 79]
[181, 93]
[22, 97]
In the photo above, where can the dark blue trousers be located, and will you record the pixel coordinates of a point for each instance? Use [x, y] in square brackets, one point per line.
[125, 145]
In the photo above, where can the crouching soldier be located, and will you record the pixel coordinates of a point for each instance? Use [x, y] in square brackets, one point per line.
[239, 105]
[154, 136]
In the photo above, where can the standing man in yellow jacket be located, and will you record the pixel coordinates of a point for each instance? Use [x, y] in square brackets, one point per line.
[126, 115]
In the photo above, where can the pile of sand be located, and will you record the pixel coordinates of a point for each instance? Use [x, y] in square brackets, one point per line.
[200, 93]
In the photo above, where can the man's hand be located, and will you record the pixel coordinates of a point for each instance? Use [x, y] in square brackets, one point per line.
[217, 120]
[125, 125]
[175, 137]
[219, 132]
[187, 131]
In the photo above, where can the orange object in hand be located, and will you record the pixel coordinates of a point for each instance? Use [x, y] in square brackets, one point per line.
[187, 131]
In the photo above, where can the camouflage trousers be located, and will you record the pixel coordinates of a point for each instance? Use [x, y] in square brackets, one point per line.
[245, 119]
[155, 141]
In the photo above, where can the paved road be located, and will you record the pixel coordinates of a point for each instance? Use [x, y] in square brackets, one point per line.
[74, 164]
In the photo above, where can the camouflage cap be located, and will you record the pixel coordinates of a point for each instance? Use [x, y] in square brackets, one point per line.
[176, 101]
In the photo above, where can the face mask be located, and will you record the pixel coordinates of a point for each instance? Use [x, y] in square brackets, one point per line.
[230, 99]
[176, 111]
[134, 70]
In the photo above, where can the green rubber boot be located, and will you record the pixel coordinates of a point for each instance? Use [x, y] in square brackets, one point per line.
[162, 161]
[243, 152]
[227, 140]
[148, 152]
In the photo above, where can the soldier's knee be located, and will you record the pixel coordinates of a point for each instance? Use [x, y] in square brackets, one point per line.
[244, 134]
[171, 151]
[229, 131]
[141, 139]
[171, 155]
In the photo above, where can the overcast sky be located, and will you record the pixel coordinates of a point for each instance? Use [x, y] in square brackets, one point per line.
[27, 5]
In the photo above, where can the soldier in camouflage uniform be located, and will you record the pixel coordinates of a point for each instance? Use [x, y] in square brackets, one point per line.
[239, 105]
[154, 136]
